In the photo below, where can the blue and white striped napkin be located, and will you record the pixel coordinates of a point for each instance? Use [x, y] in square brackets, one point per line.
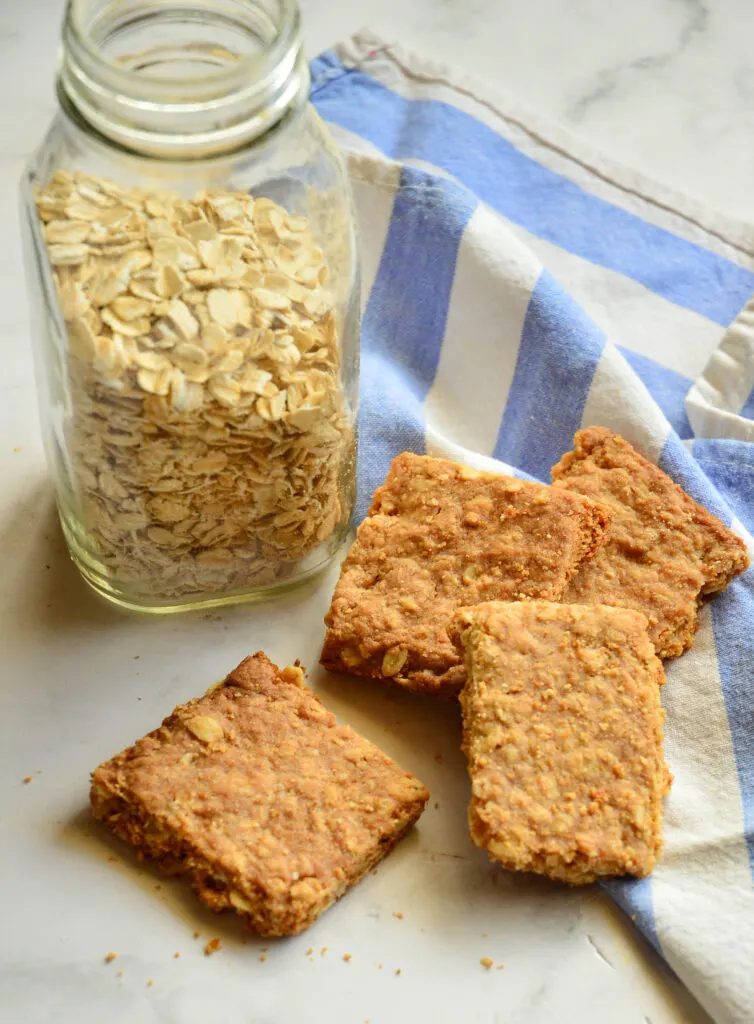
[518, 287]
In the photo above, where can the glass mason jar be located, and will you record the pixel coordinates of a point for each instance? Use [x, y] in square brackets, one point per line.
[194, 291]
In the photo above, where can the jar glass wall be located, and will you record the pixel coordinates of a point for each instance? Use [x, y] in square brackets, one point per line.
[194, 290]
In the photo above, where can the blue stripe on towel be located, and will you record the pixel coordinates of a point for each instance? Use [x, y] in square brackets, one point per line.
[404, 323]
[677, 461]
[559, 351]
[730, 466]
[732, 615]
[635, 897]
[668, 388]
[547, 204]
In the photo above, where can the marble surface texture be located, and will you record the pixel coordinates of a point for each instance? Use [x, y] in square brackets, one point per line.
[665, 85]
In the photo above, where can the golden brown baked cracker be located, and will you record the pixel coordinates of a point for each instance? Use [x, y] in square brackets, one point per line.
[664, 552]
[259, 799]
[440, 535]
[562, 730]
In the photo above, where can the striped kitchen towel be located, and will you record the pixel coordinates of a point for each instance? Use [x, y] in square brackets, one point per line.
[519, 286]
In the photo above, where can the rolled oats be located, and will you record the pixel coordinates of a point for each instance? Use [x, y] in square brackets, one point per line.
[208, 433]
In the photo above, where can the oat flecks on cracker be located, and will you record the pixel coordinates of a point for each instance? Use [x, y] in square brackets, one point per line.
[277, 817]
[208, 433]
[438, 536]
[663, 553]
[562, 731]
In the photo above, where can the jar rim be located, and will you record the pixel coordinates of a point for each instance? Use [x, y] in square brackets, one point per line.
[193, 115]
[243, 67]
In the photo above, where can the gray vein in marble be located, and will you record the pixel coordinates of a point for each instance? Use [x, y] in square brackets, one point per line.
[598, 950]
[610, 81]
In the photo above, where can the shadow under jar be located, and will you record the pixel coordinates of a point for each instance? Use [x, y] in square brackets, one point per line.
[194, 290]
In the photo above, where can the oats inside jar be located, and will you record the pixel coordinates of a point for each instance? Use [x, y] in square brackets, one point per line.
[208, 435]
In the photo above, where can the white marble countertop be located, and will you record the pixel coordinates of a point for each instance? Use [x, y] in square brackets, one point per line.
[665, 85]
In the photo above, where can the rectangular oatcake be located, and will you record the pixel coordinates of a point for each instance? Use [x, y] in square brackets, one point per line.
[664, 552]
[562, 730]
[440, 535]
[259, 799]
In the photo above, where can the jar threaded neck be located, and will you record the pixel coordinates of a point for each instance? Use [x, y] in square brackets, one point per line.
[182, 79]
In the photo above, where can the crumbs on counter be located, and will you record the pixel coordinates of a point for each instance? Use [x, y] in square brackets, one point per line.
[262, 958]
[150, 983]
[398, 914]
[309, 951]
[176, 956]
[27, 779]
[212, 947]
[323, 951]
[110, 957]
[487, 963]
[398, 972]
[347, 957]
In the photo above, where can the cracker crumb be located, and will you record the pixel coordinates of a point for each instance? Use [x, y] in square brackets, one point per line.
[27, 779]
[379, 966]
[398, 914]
[150, 983]
[212, 947]
[398, 971]
[323, 951]
[487, 963]
[197, 934]
[437, 804]
[309, 951]
[110, 957]
[262, 958]
[265, 949]
[347, 957]
[176, 956]
[500, 966]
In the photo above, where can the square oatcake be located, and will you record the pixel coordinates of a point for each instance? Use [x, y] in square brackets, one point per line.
[562, 730]
[259, 799]
[664, 552]
[440, 535]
